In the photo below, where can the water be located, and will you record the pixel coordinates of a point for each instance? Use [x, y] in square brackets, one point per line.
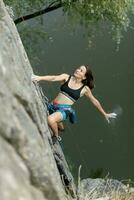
[101, 148]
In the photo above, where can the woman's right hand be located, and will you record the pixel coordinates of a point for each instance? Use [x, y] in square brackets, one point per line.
[108, 116]
[35, 78]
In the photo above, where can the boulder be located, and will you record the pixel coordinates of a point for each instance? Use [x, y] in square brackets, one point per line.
[103, 189]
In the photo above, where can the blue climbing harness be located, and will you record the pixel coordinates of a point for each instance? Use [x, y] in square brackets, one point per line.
[65, 109]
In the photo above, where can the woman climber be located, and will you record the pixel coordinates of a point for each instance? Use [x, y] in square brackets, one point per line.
[73, 87]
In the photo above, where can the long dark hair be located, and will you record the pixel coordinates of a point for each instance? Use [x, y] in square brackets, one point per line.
[89, 81]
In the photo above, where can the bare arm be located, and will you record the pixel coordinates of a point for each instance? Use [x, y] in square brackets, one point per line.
[97, 104]
[61, 77]
[94, 101]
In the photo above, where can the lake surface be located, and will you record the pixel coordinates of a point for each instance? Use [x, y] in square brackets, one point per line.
[101, 148]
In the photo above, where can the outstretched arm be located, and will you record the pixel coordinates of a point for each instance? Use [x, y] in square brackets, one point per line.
[97, 104]
[61, 77]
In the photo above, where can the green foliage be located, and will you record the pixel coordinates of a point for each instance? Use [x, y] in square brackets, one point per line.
[93, 10]
[85, 12]
[32, 34]
[24, 7]
[88, 12]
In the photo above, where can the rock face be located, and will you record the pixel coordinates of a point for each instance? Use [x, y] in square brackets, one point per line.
[28, 169]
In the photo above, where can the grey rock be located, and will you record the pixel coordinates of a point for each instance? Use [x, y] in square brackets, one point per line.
[15, 183]
[64, 171]
[23, 117]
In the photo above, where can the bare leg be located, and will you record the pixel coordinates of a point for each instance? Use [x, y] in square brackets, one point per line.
[54, 127]
[61, 126]
[53, 121]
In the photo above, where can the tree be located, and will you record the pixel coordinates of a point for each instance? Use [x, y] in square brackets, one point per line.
[85, 12]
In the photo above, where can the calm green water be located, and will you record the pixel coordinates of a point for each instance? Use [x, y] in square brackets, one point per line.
[93, 143]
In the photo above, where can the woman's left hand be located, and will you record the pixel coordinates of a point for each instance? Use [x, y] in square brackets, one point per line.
[110, 115]
[35, 78]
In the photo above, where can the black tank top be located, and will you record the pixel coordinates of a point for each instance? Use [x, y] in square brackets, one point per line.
[73, 94]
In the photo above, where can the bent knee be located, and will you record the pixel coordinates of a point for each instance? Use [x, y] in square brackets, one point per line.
[55, 118]
[51, 120]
